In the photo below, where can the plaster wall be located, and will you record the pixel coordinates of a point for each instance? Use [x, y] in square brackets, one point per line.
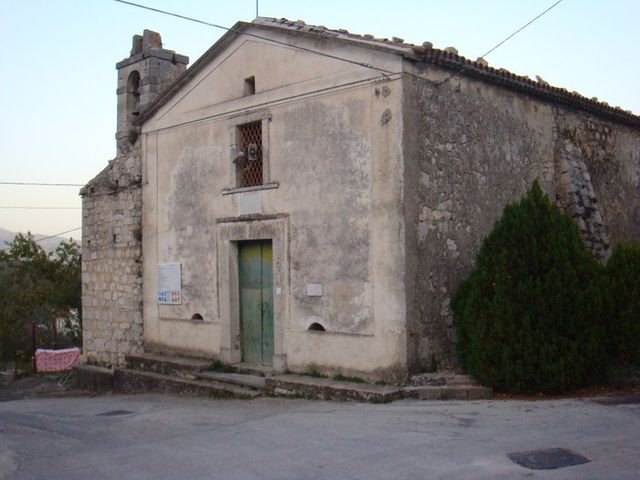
[332, 132]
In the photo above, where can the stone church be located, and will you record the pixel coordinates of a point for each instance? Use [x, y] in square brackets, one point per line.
[305, 198]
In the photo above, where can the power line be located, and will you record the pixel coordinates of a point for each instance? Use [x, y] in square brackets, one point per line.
[21, 207]
[42, 184]
[58, 234]
[46, 238]
[310, 94]
[521, 28]
[381, 71]
[499, 44]
[253, 35]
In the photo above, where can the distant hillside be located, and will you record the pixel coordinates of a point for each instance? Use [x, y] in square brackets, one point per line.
[49, 244]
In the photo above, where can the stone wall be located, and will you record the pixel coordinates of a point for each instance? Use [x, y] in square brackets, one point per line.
[598, 178]
[112, 261]
[475, 147]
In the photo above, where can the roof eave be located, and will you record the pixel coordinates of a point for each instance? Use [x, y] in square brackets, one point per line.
[464, 67]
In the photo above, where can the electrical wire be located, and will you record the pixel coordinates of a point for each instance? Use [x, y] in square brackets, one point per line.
[385, 73]
[47, 237]
[335, 57]
[280, 101]
[253, 35]
[297, 47]
[21, 207]
[40, 184]
[58, 234]
[500, 44]
[112, 192]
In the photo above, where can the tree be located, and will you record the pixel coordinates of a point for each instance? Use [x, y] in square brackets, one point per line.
[623, 270]
[531, 315]
[39, 287]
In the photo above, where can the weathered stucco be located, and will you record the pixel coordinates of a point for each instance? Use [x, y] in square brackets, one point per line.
[334, 166]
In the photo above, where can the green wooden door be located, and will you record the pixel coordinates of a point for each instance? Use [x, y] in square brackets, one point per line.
[255, 270]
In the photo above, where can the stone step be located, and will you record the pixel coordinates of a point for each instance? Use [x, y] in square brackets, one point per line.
[257, 370]
[328, 389]
[136, 381]
[184, 367]
[250, 381]
[447, 392]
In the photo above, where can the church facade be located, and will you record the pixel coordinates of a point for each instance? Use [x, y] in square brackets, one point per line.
[308, 199]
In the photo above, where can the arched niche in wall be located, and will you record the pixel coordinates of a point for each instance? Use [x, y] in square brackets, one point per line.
[133, 95]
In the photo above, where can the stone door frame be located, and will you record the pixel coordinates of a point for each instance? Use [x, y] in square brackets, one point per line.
[229, 232]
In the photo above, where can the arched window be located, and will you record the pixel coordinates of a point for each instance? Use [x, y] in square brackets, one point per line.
[133, 94]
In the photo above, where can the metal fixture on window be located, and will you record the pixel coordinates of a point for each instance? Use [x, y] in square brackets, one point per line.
[248, 155]
[252, 152]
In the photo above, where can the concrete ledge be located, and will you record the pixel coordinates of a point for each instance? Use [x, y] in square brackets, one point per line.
[90, 377]
[133, 381]
[251, 381]
[327, 389]
[437, 379]
[180, 375]
[448, 392]
[183, 367]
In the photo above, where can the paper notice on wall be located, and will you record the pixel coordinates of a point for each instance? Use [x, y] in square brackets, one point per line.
[169, 284]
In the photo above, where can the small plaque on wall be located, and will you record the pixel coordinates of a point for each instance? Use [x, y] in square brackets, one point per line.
[169, 284]
[314, 290]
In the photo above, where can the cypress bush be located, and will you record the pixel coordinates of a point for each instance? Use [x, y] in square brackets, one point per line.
[623, 270]
[530, 316]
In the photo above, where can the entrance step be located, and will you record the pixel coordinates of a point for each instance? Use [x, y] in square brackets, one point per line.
[167, 374]
[183, 367]
[257, 370]
[250, 381]
[137, 381]
[328, 389]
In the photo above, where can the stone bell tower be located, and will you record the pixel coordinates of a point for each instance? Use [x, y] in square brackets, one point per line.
[112, 324]
[141, 79]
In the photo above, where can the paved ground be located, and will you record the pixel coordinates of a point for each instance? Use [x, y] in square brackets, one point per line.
[165, 437]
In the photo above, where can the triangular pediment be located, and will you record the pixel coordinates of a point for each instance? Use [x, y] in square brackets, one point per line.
[281, 67]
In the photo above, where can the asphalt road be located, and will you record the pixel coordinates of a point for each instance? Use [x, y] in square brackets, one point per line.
[166, 437]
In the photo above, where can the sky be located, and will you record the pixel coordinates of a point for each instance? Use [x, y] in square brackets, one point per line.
[58, 77]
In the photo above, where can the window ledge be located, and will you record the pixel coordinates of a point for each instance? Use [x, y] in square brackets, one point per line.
[266, 186]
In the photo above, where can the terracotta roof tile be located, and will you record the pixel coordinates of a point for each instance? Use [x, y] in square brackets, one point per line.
[451, 60]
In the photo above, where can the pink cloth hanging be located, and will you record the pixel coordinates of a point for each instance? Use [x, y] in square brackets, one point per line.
[57, 360]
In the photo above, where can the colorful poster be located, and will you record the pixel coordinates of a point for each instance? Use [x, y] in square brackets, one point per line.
[169, 284]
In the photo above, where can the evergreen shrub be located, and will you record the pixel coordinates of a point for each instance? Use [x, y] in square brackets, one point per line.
[530, 316]
[623, 270]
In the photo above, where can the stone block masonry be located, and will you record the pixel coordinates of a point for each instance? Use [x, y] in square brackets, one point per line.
[112, 261]
[478, 148]
[112, 212]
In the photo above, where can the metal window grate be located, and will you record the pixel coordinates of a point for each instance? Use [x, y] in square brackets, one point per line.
[249, 163]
